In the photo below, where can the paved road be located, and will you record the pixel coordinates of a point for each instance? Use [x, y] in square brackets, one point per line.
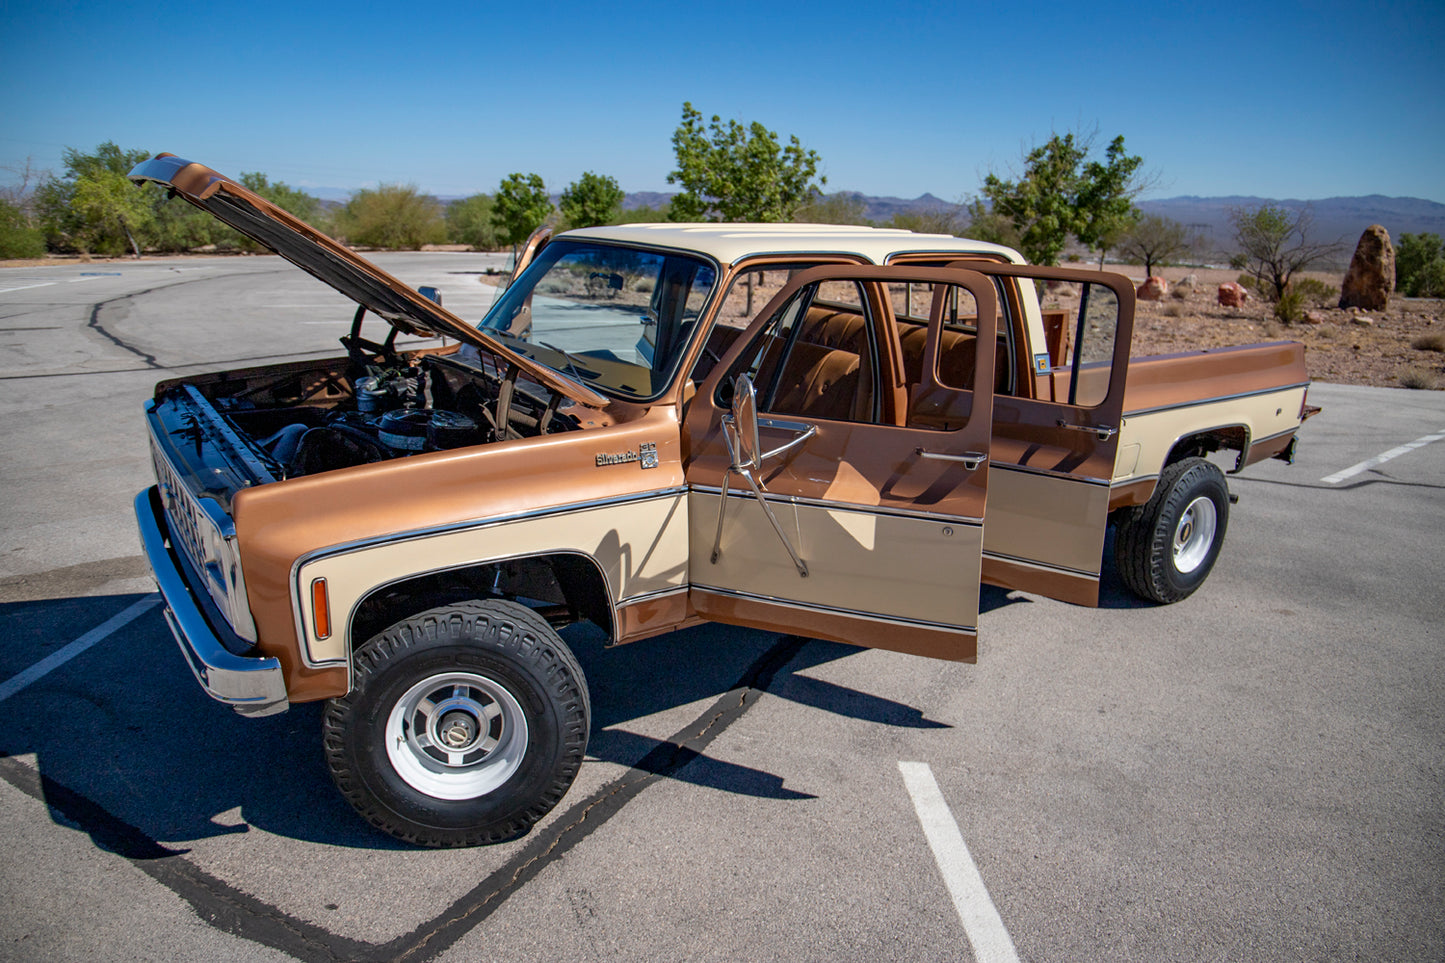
[1255, 773]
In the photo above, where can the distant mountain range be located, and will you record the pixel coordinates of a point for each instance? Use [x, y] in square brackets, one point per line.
[1344, 218]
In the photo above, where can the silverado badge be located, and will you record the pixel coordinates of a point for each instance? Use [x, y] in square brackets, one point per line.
[646, 454]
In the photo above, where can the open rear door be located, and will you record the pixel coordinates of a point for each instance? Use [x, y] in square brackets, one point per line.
[818, 503]
[1054, 454]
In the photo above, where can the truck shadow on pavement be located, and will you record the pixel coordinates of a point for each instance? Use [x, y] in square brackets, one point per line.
[129, 749]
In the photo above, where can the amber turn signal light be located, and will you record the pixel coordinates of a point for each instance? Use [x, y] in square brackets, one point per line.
[320, 609]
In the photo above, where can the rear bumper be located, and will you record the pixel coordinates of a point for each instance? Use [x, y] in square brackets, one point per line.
[252, 685]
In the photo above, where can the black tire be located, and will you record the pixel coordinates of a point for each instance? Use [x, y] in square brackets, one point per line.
[1165, 549]
[465, 725]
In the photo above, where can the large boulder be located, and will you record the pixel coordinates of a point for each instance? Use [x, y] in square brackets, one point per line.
[1371, 276]
[1232, 294]
[1152, 289]
[1185, 286]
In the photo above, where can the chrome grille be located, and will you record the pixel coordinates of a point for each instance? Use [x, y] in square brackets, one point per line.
[182, 512]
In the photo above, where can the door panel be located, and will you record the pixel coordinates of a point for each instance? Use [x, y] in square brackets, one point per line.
[1053, 457]
[887, 520]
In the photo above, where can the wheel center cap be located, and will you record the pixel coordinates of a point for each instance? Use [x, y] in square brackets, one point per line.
[457, 729]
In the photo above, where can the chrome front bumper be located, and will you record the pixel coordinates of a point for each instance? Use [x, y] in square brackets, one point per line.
[253, 686]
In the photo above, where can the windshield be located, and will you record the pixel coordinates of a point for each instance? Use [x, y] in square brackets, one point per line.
[615, 318]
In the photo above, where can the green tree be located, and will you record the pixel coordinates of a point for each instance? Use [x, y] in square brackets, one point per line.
[520, 207]
[393, 217]
[18, 237]
[1063, 194]
[108, 204]
[179, 227]
[840, 207]
[290, 199]
[1154, 240]
[93, 207]
[1276, 244]
[1420, 266]
[590, 200]
[469, 222]
[737, 172]
[1106, 198]
[985, 224]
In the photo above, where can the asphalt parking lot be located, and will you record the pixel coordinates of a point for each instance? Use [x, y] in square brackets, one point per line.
[1257, 773]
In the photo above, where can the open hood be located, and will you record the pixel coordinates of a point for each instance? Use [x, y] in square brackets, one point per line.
[334, 264]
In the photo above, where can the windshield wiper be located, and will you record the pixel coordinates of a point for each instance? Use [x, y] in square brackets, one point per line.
[571, 364]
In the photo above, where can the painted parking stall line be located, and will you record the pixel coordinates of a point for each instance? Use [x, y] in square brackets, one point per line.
[26, 287]
[981, 922]
[59, 657]
[1378, 460]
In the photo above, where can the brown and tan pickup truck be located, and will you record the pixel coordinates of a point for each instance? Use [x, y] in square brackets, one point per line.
[834, 431]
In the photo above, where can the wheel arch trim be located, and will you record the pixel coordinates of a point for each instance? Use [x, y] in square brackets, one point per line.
[482, 543]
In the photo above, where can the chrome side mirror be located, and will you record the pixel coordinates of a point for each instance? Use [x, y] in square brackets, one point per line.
[744, 411]
[740, 431]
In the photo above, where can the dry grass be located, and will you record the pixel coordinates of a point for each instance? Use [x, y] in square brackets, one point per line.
[1434, 341]
[1413, 377]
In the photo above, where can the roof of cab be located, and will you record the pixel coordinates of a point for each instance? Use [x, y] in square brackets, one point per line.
[730, 243]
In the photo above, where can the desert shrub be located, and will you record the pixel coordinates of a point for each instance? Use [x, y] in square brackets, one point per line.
[469, 221]
[394, 217]
[1420, 378]
[1420, 265]
[1435, 341]
[1315, 291]
[1290, 308]
[18, 238]
[1429, 282]
[1172, 311]
[1251, 284]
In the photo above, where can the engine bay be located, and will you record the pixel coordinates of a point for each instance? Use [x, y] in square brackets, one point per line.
[303, 419]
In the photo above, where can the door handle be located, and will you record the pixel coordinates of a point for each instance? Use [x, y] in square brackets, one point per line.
[1103, 431]
[970, 460]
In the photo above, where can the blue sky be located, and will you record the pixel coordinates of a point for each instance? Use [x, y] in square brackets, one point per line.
[1283, 100]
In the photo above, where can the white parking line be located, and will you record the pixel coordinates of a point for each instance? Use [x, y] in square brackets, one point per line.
[26, 287]
[985, 930]
[59, 657]
[1365, 466]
